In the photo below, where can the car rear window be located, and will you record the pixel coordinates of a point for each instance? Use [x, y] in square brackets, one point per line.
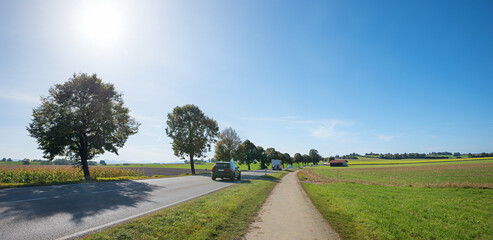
[222, 165]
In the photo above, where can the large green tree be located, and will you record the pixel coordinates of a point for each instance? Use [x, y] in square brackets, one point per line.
[298, 158]
[262, 158]
[80, 119]
[192, 132]
[287, 159]
[314, 156]
[247, 153]
[306, 159]
[227, 146]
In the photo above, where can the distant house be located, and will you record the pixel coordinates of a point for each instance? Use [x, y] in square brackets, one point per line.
[338, 163]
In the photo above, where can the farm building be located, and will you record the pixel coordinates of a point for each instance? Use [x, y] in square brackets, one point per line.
[338, 163]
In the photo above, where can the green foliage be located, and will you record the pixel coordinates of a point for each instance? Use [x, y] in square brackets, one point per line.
[262, 157]
[227, 146]
[271, 153]
[314, 156]
[306, 159]
[80, 119]
[286, 159]
[298, 158]
[247, 153]
[192, 132]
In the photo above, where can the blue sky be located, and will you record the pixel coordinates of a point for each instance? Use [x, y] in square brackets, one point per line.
[337, 76]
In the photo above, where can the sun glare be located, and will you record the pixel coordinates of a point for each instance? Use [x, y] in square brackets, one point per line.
[101, 23]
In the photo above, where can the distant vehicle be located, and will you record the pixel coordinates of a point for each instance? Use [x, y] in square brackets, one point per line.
[226, 170]
[276, 164]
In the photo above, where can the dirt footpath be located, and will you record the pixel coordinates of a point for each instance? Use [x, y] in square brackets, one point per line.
[288, 213]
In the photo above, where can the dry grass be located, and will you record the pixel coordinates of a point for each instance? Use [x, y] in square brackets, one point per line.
[476, 175]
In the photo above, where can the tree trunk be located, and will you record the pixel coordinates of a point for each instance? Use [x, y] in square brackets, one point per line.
[248, 163]
[83, 158]
[192, 165]
[85, 168]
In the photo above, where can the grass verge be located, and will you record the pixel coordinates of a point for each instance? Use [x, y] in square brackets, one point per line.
[225, 214]
[359, 211]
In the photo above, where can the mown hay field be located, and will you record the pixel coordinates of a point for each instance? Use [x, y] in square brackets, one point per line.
[453, 201]
[50, 173]
[376, 161]
[473, 175]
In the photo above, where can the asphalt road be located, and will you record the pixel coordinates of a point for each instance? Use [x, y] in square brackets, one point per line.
[71, 211]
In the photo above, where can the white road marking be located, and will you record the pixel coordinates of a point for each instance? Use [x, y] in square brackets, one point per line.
[82, 233]
[25, 200]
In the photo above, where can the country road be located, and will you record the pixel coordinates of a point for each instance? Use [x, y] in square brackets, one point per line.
[70, 211]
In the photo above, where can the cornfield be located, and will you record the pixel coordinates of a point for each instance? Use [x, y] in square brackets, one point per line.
[45, 174]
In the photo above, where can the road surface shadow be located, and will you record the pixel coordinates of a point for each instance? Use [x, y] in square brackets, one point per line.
[78, 200]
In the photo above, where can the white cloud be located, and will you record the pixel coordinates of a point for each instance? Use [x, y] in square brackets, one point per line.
[19, 97]
[143, 118]
[384, 137]
[323, 128]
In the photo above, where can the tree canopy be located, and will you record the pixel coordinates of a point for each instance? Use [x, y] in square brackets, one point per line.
[192, 132]
[298, 158]
[227, 146]
[314, 156]
[247, 153]
[81, 118]
[264, 162]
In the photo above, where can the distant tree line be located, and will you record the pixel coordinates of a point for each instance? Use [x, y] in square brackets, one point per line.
[27, 161]
[230, 147]
[470, 155]
[432, 155]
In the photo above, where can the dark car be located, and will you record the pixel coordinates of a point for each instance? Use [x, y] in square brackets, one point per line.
[226, 170]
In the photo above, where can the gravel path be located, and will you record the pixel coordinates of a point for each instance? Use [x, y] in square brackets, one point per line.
[289, 213]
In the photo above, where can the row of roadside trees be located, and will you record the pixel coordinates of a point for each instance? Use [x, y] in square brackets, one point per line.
[85, 117]
[230, 147]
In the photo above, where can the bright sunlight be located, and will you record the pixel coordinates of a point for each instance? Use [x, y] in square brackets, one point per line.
[101, 23]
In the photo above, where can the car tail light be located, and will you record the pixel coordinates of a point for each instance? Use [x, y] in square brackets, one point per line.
[214, 167]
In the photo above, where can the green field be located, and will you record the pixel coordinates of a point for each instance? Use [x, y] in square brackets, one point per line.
[225, 214]
[375, 161]
[243, 167]
[427, 201]
[474, 175]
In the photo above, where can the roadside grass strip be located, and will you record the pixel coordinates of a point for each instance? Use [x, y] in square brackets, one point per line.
[225, 214]
[404, 204]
